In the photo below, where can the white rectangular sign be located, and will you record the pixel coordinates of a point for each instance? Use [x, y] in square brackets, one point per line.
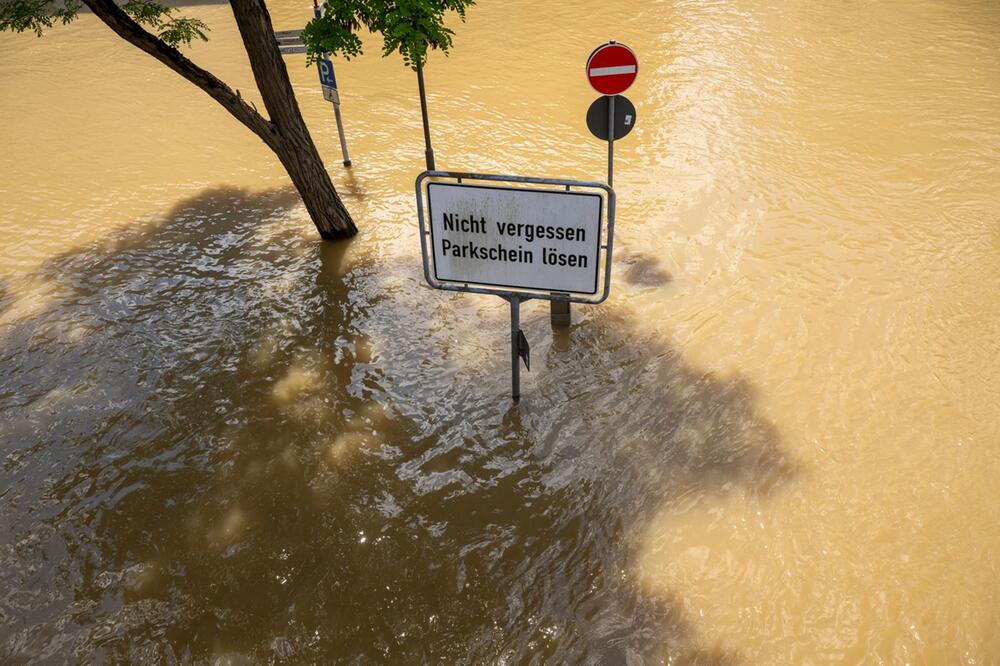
[511, 237]
[331, 94]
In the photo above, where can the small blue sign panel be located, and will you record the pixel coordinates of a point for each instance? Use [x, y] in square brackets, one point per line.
[326, 76]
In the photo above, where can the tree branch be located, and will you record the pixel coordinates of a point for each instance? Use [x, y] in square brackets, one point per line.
[123, 25]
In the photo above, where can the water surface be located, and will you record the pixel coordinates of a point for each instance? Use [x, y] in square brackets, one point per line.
[776, 442]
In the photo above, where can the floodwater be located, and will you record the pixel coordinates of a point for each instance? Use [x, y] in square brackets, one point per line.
[224, 441]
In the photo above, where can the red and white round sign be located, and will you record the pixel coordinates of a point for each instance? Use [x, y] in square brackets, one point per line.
[612, 68]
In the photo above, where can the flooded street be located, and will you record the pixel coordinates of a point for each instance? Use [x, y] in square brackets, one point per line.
[223, 440]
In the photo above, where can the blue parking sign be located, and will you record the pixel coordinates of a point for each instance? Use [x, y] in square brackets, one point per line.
[326, 76]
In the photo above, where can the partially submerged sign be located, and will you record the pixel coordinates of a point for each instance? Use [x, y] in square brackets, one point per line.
[516, 238]
[523, 238]
[535, 237]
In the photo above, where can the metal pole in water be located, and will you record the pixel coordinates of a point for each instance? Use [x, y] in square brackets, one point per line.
[428, 152]
[318, 12]
[515, 360]
[340, 131]
[611, 140]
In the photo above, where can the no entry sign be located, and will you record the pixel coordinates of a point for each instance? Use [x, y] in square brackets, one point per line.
[612, 68]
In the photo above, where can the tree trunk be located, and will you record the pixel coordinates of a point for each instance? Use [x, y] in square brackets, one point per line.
[302, 162]
[292, 145]
[286, 133]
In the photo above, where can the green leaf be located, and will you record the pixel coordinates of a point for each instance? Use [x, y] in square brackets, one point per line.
[147, 12]
[173, 30]
[408, 27]
[183, 30]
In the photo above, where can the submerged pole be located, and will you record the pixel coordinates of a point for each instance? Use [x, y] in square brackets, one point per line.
[318, 12]
[515, 359]
[340, 131]
[611, 141]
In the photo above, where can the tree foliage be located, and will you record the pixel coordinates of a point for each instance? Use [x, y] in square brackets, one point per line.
[407, 26]
[37, 15]
[410, 27]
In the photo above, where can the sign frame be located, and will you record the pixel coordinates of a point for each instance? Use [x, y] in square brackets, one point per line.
[604, 249]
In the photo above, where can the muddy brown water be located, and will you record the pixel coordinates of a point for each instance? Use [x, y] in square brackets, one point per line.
[226, 442]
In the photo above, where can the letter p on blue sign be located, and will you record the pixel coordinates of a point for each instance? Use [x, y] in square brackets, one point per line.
[326, 77]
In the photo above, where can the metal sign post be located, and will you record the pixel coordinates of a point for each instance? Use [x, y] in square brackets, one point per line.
[340, 131]
[611, 141]
[328, 81]
[290, 42]
[611, 69]
[518, 238]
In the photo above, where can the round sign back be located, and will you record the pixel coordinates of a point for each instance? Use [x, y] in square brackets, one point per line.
[597, 117]
[612, 68]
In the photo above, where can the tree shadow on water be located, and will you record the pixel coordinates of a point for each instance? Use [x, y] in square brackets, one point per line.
[223, 439]
[615, 428]
[5, 296]
[643, 270]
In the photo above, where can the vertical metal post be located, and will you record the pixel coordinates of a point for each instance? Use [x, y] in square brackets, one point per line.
[340, 131]
[318, 12]
[515, 359]
[428, 152]
[611, 141]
